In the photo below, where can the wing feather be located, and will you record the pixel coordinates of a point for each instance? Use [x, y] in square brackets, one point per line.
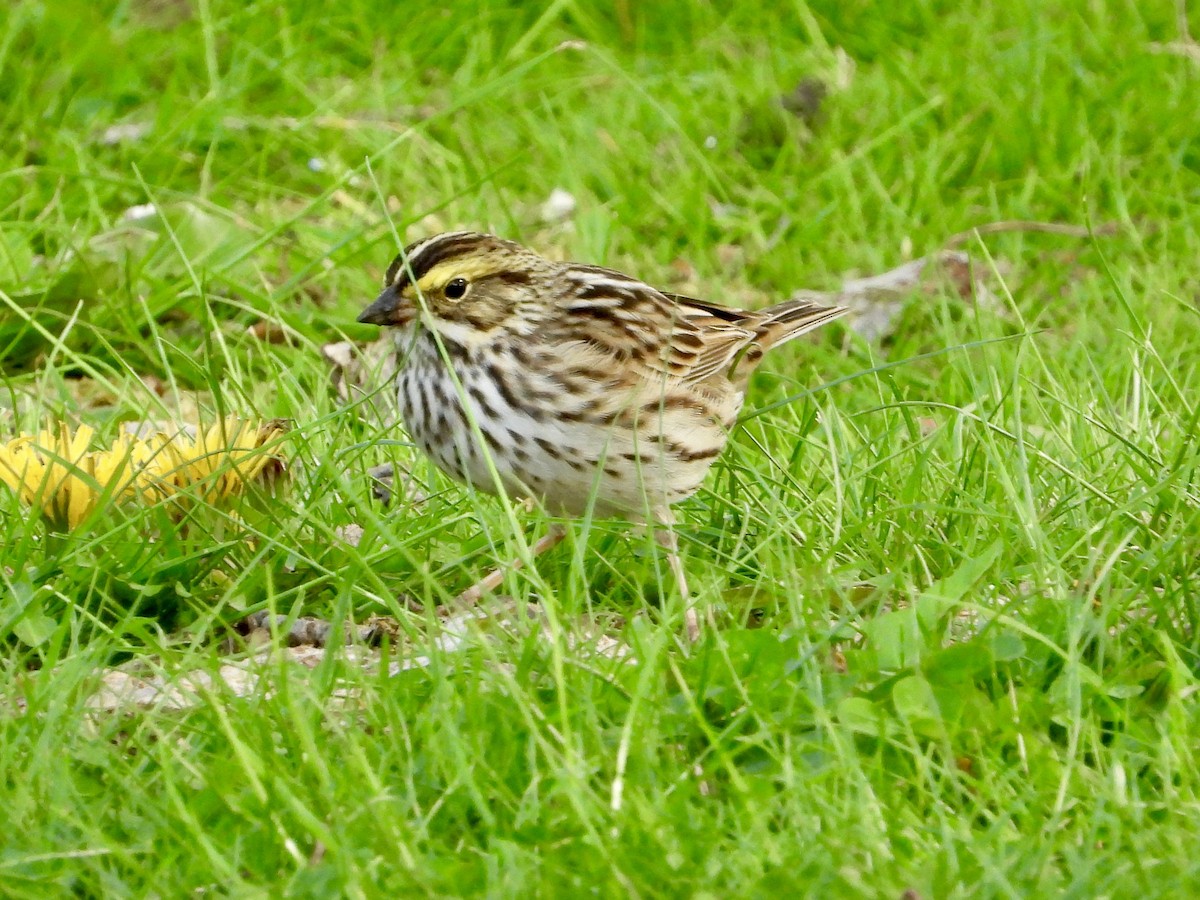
[661, 334]
[671, 335]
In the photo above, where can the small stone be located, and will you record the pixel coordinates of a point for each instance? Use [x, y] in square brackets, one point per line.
[125, 133]
[560, 205]
[139, 212]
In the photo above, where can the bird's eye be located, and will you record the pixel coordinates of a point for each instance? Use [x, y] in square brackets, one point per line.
[456, 289]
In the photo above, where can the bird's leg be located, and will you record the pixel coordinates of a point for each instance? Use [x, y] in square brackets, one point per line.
[665, 537]
[493, 579]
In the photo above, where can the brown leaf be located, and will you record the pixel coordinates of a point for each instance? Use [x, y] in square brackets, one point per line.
[266, 330]
[682, 270]
[805, 99]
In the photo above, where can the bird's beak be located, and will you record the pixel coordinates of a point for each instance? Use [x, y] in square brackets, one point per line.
[389, 308]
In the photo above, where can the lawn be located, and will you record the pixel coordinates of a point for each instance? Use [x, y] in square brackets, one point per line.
[949, 564]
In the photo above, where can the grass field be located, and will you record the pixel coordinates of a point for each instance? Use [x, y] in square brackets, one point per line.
[955, 579]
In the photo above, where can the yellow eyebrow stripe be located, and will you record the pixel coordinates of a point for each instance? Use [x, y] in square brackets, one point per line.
[464, 267]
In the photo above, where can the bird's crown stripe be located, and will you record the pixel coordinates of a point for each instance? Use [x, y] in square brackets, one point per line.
[423, 255]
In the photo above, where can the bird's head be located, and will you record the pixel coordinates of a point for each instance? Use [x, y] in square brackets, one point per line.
[465, 285]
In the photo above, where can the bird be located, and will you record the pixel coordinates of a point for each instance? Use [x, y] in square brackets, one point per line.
[583, 388]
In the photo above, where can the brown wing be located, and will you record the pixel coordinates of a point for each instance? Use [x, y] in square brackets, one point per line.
[661, 334]
[673, 335]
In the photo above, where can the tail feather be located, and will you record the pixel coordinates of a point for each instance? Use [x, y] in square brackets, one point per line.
[789, 320]
[774, 326]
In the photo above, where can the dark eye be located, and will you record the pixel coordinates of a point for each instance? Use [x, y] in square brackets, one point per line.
[456, 289]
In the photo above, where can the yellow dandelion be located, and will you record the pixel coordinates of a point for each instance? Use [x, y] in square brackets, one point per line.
[57, 474]
[52, 472]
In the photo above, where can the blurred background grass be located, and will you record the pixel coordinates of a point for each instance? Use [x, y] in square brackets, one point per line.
[249, 126]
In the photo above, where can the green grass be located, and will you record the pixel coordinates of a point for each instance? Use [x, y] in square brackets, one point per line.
[970, 551]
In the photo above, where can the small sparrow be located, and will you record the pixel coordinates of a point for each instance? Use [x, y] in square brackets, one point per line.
[573, 384]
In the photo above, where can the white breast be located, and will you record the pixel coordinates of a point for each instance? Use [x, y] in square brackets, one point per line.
[564, 463]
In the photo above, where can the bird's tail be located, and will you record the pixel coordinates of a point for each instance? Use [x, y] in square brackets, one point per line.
[780, 324]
